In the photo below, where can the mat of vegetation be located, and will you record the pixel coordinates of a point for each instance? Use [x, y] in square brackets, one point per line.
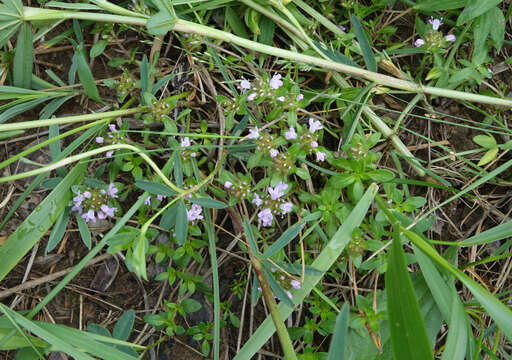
[255, 179]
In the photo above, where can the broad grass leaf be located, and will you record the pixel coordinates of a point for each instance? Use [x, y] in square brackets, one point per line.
[284, 239]
[439, 5]
[155, 188]
[457, 340]
[58, 230]
[84, 73]
[181, 223]
[38, 222]
[73, 6]
[368, 55]
[474, 9]
[21, 108]
[209, 203]
[322, 263]
[408, 333]
[498, 28]
[23, 57]
[236, 24]
[267, 28]
[145, 76]
[250, 237]
[496, 233]
[339, 338]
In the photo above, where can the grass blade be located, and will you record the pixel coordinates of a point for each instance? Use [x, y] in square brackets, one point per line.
[181, 223]
[338, 342]
[284, 239]
[368, 55]
[23, 58]
[408, 333]
[322, 263]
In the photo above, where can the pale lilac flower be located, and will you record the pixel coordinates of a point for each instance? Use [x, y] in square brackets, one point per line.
[99, 140]
[290, 134]
[436, 23]
[254, 133]
[450, 38]
[112, 127]
[194, 213]
[251, 97]
[89, 216]
[280, 98]
[185, 142]
[112, 190]
[419, 42]
[286, 207]
[101, 216]
[109, 211]
[320, 156]
[278, 190]
[228, 184]
[314, 144]
[245, 84]
[109, 154]
[257, 200]
[295, 284]
[160, 197]
[265, 217]
[87, 194]
[78, 198]
[342, 28]
[314, 125]
[300, 97]
[147, 201]
[273, 153]
[289, 294]
[275, 82]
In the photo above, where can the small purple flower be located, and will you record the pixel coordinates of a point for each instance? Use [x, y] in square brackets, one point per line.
[147, 201]
[275, 83]
[89, 216]
[320, 156]
[314, 144]
[185, 142]
[257, 200]
[112, 190]
[228, 184]
[99, 140]
[450, 38]
[289, 294]
[251, 97]
[87, 194]
[109, 211]
[112, 127]
[194, 213]
[314, 125]
[109, 154]
[419, 42]
[290, 134]
[342, 28]
[78, 198]
[278, 190]
[245, 84]
[101, 216]
[300, 97]
[160, 197]
[254, 133]
[265, 217]
[436, 23]
[286, 207]
[295, 284]
[273, 153]
[280, 98]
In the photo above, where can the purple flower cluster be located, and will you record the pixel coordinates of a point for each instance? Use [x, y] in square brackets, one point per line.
[185, 145]
[93, 204]
[435, 37]
[273, 204]
[194, 213]
[267, 89]
[113, 138]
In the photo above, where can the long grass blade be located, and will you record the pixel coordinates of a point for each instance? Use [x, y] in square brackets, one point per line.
[23, 57]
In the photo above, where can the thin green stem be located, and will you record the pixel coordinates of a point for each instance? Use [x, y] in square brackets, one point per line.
[37, 14]
[70, 119]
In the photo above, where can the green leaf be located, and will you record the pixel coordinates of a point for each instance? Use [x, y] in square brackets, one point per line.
[498, 28]
[58, 230]
[124, 325]
[284, 239]
[19, 340]
[98, 329]
[181, 223]
[98, 48]
[139, 257]
[236, 24]
[38, 222]
[250, 237]
[439, 5]
[155, 188]
[474, 9]
[145, 77]
[160, 23]
[23, 57]
[457, 340]
[485, 141]
[84, 72]
[496, 233]
[481, 29]
[191, 305]
[168, 219]
[408, 333]
[276, 287]
[323, 262]
[209, 203]
[339, 338]
[368, 55]
[267, 27]
[489, 156]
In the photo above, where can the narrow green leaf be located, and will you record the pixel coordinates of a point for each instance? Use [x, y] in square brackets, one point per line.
[236, 24]
[278, 291]
[58, 230]
[268, 28]
[209, 203]
[160, 23]
[124, 326]
[155, 188]
[145, 77]
[457, 340]
[474, 9]
[339, 338]
[181, 223]
[23, 57]
[496, 233]
[250, 237]
[439, 5]
[284, 239]
[98, 48]
[85, 233]
[498, 28]
[368, 55]
[408, 333]
[21, 108]
[38, 222]
[84, 73]
[168, 219]
[139, 257]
